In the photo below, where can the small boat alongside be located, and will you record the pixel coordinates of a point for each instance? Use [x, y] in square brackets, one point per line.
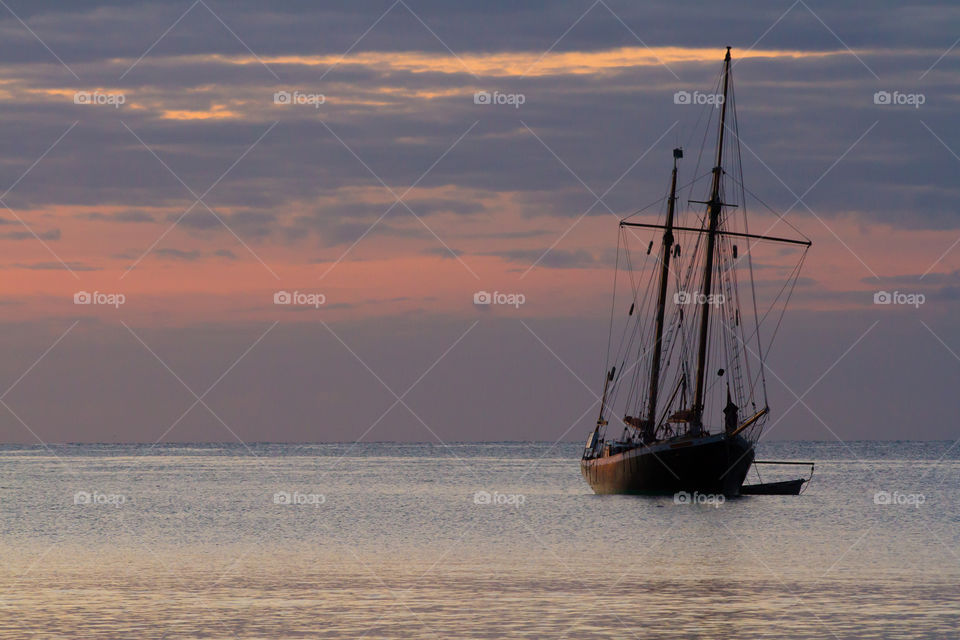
[684, 428]
[780, 487]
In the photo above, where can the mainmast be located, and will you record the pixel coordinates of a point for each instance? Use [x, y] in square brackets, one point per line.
[714, 208]
[651, 423]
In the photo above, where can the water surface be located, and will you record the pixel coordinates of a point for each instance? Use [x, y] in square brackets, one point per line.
[389, 541]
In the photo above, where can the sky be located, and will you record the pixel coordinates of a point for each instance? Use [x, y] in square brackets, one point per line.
[187, 161]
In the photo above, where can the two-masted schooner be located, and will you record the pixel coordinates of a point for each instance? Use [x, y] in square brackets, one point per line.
[692, 368]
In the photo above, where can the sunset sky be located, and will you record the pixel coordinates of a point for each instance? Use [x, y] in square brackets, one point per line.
[145, 154]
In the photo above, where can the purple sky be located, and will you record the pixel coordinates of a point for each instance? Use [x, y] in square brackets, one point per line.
[195, 159]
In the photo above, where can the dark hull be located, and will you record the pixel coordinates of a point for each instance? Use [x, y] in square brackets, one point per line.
[711, 464]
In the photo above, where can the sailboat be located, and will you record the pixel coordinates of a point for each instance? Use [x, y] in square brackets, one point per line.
[692, 369]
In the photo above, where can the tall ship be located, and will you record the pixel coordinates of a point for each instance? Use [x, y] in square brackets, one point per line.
[687, 370]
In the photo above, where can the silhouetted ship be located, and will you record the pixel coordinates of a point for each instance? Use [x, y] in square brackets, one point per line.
[680, 434]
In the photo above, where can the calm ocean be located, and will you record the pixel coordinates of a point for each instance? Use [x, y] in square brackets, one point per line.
[469, 541]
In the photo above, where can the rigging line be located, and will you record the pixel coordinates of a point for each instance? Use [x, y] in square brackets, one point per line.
[746, 227]
[703, 142]
[616, 269]
[632, 366]
[785, 304]
[791, 281]
[711, 346]
[627, 325]
[647, 259]
[683, 331]
[688, 336]
[669, 339]
[656, 259]
[623, 351]
[706, 109]
[641, 311]
[696, 125]
[618, 383]
[751, 390]
[732, 354]
[743, 199]
[660, 200]
[642, 334]
[637, 395]
[696, 167]
[791, 278]
[644, 208]
[641, 393]
[611, 394]
[779, 216]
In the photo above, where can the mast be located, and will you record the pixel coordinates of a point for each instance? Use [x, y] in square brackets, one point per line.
[714, 208]
[650, 426]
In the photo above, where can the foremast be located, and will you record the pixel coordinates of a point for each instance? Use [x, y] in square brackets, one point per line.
[650, 425]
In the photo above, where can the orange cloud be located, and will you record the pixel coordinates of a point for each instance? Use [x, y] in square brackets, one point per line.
[216, 112]
[523, 63]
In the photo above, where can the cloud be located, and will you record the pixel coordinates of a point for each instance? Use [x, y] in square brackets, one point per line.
[929, 279]
[178, 254]
[192, 255]
[122, 216]
[442, 252]
[53, 266]
[52, 234]
[552, 258]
